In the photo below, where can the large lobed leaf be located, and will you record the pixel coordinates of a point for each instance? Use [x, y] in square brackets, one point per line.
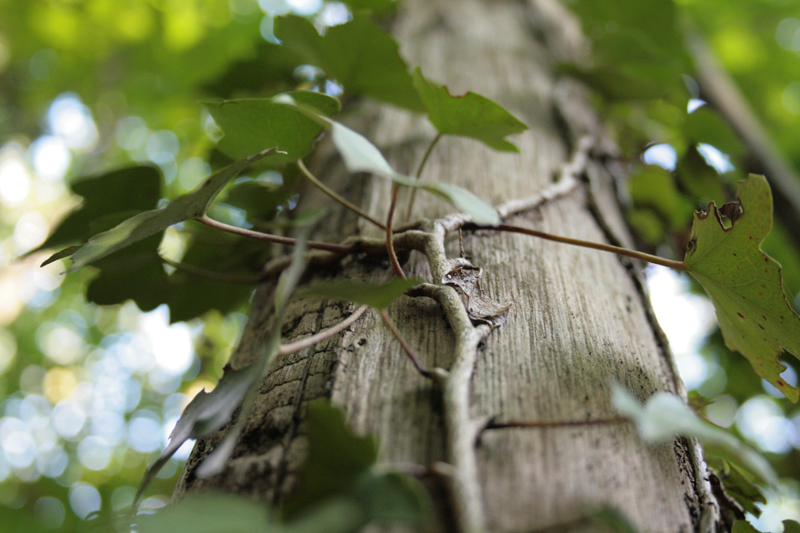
[470, 115]
[364, 59]
[127, 190]
[139, 227]
[253, 124]
[744, 283]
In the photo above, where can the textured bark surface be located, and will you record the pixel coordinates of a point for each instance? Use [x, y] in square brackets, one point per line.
[578, 317]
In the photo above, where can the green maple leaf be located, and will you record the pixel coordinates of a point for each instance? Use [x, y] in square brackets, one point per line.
[470, 115]
[744, 283]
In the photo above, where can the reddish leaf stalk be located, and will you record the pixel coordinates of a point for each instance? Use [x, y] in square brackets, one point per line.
[675, 265]
[390, 236]
[399, 336]
[338, 248]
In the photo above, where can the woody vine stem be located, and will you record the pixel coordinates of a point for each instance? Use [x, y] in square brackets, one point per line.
[462, 430]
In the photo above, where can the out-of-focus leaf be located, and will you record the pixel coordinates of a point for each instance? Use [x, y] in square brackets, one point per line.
[744, 283]
[376, 6]
[360, 155]
[336, 458]
[611, 520]
[133, 189]
[361, 57]
[698, 179]
[260, 200]
[470, 115]
[333, 515]
[210, 513]
[743, 526]
[136, 275]
[705, 125]
[614, 83]
[253, 124]
[205, 414]
[665, 416]
[141, 226]
[392, 497]
[654, 187]
[738, 486]
[377, 295]
[66, 252]
[271, 71]
[630, 30]
[790, 526]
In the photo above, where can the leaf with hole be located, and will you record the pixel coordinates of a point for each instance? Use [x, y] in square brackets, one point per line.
[665, 416]
[470, 115]
[743, 282]
[377, 295]
[139, 227]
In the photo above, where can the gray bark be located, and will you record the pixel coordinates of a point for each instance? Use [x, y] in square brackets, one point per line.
[577, 319]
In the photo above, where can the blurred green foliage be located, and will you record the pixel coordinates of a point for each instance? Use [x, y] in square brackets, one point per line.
[103, 85]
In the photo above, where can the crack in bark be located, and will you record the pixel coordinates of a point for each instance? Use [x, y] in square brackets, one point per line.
[283, 463]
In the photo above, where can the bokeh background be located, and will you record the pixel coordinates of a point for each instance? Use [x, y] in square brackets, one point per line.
[90, 392]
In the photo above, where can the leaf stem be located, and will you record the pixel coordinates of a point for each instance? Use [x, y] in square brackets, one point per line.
[675, 265]
[210, 274]
[390, 236]
[419, 173]
[339, 248]
[308, 342]
[330, 192]
[406, 348]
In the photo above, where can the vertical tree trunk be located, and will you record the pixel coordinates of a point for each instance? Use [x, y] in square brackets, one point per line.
[577, 319]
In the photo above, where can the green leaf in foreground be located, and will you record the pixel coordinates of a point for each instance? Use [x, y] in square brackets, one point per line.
[340, 467]
[665, 416]
[209, 513]
[253, 124]
[336, 457]
[189, 206]
[470, 115]
[744, 283]
[377, 295]
[360, 155]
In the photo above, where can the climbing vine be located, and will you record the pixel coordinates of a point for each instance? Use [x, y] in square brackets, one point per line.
[724, 255]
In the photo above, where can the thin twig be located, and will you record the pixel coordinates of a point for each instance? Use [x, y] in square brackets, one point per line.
[399, 336]
[210, 274]
[675, 265]
[389, 236]
[419, 174]
[302, 344]
[327, 190]
[272, 238]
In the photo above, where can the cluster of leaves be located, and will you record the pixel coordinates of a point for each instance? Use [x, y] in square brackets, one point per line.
[120, 234]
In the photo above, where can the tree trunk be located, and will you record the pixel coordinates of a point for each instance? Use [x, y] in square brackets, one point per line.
[578, 317]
